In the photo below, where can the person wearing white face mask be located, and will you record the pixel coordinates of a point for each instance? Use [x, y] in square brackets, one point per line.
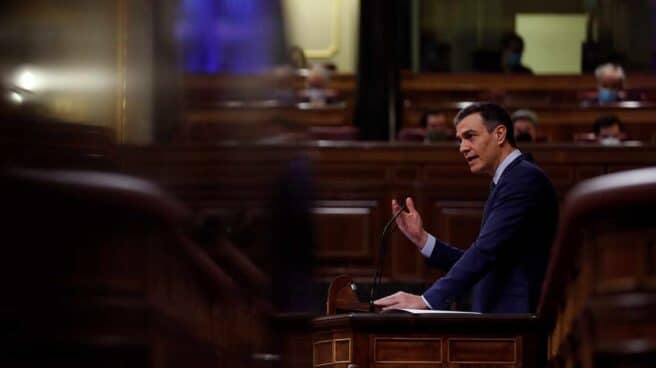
[608, 130]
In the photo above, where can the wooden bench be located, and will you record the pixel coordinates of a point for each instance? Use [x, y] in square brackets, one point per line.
[600, 291]
[35, 142]
[560, 122]
[99, 269]
[421, 86]
[354, 183]
[241, 107]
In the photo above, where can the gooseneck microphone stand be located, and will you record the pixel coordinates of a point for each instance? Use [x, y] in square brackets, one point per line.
[382, 251]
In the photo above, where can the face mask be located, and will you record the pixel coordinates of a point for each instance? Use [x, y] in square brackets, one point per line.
[316, 94]
[514, 59]
[607, 95]
[609, 141]
[524, 137]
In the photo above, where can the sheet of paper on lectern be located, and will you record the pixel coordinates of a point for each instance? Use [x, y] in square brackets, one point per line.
[432, 311]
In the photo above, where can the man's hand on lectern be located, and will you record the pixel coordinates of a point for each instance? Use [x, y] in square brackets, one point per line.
[400, 300]
[410, 223]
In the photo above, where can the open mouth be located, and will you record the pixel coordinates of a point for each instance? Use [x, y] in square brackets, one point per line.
[471, 158]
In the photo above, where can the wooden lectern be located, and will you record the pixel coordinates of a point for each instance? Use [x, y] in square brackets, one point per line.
[400, 339]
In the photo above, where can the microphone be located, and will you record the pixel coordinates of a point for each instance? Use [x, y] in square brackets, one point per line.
[389, 227]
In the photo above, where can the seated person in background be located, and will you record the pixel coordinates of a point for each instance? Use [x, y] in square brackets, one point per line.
[524, 125]
[610, 85]
[437, 127]
[317, 91]
[608, 130]
[512, 47]
[331, 67]
[297, 58]
[282, 90]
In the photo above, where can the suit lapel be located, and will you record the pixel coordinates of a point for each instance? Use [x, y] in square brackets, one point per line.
[490, 197]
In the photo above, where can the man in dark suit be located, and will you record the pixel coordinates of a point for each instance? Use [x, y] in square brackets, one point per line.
[506, 264]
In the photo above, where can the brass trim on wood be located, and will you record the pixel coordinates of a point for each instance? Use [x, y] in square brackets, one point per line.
[513, 340]
[350, 350]
[437, 339]
[333, 359]
[314, 353]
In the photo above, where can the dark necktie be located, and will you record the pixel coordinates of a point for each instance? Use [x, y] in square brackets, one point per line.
[492, 186]
[487, 203]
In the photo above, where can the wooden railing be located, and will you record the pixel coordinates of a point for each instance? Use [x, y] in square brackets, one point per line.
[99, 269]
[600, 289]
[35, 142]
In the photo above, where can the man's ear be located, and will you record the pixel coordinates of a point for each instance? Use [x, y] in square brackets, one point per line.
[500, 134]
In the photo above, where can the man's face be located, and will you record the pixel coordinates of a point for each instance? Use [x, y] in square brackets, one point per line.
[481, 149]
[436, 122]
[524, 126]
[612, 131]
[437, 125]
[512, 54]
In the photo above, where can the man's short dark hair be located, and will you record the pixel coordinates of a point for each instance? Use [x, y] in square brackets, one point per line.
[492, 114]
[606, 121]
[424, 117]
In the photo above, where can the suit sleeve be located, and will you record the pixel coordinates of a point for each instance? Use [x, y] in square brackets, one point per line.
[505, 219]
[444, 256]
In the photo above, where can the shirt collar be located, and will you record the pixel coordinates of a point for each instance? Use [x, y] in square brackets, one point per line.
[506, 161]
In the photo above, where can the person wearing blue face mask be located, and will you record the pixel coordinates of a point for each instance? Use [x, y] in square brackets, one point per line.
[610, 83]
[607, 95]
[512, 47]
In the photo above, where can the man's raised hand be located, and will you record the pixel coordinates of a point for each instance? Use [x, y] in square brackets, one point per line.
[410, 223]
